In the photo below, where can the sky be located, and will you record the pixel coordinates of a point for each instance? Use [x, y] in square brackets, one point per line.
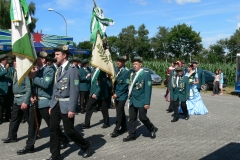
[214, 19]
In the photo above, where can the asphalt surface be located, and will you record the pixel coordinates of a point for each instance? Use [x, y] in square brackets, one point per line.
[215, 135]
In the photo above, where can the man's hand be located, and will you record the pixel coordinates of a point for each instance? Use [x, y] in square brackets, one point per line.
[33, 99]
[7, 66]
[24, 106]
[203, 86]
[146, 106]
[114, 96]
[94, 96]
[33, 72]
[71, 114]
[88, 75]
[49, 111]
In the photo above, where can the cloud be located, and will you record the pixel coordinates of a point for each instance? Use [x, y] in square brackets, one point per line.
[187, 1]
[212, 40]
[238, 26]
[141, 2]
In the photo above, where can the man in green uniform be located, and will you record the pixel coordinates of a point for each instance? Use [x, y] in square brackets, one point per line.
[120, 96]
[64, 103]
[42, 77]
[139, 94]
[3, 83]
[22, 94]
[98, 95]
[85, 84]
[179, 91]
[201, 75]
[9, 97]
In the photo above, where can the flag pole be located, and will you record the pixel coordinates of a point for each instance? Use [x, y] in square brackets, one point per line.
[95, 5]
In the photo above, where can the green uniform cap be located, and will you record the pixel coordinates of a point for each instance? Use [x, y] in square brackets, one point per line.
[137, 58]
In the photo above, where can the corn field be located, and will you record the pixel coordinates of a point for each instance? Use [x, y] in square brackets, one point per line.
[229, 70]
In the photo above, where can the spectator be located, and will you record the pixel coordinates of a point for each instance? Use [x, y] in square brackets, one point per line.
[217, 78]
[221, 81]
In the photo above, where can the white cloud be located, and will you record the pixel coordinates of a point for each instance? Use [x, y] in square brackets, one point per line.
[212, 40]
[238, 25]
[141, 2]
[187, 1]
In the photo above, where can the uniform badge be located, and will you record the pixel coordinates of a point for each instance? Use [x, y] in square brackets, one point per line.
[47, 79]
[149, 83]
[76, 82]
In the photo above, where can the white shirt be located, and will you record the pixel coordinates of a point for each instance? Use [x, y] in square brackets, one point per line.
[42, 67]
[64, 65]
[2, 65]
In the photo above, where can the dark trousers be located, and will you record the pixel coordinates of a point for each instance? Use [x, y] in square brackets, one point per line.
[90, 108]
[170, 107]
[16, 119]
[68, 124]
[183, 106]
[42, 113]
[121, 116]
[2, 104]
[133, 112]
[8, 103]
[216, 87]
[84, 97]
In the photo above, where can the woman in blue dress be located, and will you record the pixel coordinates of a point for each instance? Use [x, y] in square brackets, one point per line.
[195, 104]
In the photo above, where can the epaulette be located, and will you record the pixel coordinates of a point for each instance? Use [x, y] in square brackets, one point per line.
[146, 71]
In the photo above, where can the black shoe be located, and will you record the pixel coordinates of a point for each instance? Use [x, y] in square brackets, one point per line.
[129, 139]
[123, 130]
[174, 120]
[169, 111]
[153, 133]
[82, 111]
[105, 125]
[87, 151]
[84, 126]
[9, 140]
[114, 134]
[64, 144]
[25, 151]
[187, 118]
[0, 122]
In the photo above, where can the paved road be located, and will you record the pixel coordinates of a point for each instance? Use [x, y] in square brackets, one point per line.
[215, 135]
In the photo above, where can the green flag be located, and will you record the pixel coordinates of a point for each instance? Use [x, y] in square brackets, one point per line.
[22, 44]
[99, 23]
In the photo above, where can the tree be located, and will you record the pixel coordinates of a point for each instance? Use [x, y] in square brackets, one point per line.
[159, 43]
[127, 41]
[32, 10]
[112, 43]
[143, 44]
[5, 20]
[184, 42]
[233, 44]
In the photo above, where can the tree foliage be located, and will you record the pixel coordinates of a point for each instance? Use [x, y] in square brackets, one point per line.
[183, 41]
[5, 20]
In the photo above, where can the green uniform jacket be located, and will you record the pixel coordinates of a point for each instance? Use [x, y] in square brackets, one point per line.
[180, 92]
[85, 83]
[99, 85]
[121, 84]
[142, 90]
[3, 81]
[9, 75]
[21, 89]
[44, 81]
[201, 77]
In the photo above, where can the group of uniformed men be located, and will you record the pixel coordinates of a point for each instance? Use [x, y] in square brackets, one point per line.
[51, 92]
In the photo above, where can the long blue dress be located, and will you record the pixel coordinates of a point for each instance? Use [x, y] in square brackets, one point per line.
[195, 104]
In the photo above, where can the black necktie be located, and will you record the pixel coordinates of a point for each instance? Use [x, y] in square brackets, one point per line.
[59, 71]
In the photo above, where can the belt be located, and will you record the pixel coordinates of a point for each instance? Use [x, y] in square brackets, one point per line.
[18, 95]
[62, 99]
[42, 98]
